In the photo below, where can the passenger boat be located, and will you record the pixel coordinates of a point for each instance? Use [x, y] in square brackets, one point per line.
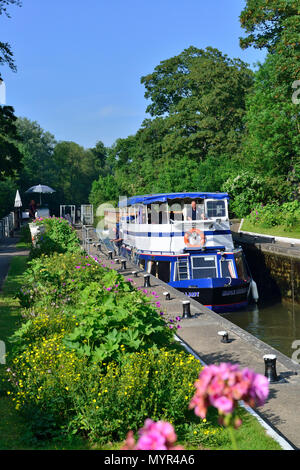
[191, 250]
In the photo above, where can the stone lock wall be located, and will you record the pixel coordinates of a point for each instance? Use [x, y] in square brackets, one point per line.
[276, 275]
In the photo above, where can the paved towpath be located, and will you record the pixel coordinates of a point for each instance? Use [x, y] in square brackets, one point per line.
[282, 410]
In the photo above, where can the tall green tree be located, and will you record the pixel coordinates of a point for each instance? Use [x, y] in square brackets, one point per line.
[275, 25]
[201, 96]
[37, 146]
[78, 168]
[10, 155]
[272, 145]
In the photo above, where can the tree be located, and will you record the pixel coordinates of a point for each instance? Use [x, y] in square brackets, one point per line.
[10, 160]
[11, 156]
[78, 168]
[8, 190]
[200, 94]
[6, 55]
[275, 25]
[270, 24]
[37, 147]
[272, 145]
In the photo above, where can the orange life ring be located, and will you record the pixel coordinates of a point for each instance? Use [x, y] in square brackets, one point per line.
[194, 233]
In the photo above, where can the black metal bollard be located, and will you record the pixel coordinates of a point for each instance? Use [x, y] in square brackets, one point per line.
[147, 280]
[110, 253]
[116, 260]
[186, 305]
[167, 295]
[123, 264]
[270, 368]
[224, 335]
[135, 273]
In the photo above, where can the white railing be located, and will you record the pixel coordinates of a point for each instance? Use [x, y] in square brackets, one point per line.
[7, 225]
[177, 236]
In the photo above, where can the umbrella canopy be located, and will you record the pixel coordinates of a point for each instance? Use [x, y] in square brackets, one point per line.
[40, 188]
[18, 202]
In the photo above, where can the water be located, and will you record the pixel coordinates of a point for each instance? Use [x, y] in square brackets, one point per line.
[276, 324]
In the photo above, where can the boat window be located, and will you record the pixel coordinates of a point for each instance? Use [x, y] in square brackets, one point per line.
[204, 266]
[215, 209]
[163, 214]
[175, 211]
[182, 270]
[155, 213]
[240, 266]
[227, 269]
[199, 214]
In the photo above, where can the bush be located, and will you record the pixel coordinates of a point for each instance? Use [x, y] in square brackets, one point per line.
[51, 381]
[59, 237]
[271, 215]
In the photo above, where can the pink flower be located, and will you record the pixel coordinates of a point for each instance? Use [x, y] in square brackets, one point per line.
[151, 440]
[153, 436]
[224, 385]
[223, 404]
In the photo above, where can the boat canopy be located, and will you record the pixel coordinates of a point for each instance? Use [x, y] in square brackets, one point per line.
[153, 198]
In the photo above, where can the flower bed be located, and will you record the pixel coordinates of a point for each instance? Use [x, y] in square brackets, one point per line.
[94, 357]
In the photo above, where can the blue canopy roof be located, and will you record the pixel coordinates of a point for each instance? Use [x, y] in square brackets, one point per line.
[153, 198]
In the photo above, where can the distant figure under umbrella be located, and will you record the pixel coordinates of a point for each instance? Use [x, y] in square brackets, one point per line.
[32, 209]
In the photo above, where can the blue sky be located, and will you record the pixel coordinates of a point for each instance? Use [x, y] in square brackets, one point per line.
[80, 62]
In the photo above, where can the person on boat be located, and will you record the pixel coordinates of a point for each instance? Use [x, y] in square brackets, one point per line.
[117, 241]
[195, 212]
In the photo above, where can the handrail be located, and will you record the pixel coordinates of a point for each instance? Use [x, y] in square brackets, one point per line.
[7, 225]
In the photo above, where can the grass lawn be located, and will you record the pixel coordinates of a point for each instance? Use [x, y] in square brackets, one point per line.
[14, 433]
[277, 231]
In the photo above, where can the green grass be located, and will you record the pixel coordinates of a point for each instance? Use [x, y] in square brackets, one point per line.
[250, 436]
[13, 429]
[277, 231]
[14, 432]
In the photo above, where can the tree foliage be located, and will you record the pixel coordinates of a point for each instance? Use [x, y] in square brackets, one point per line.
[10, 160]
[6, 54]
[200, 94]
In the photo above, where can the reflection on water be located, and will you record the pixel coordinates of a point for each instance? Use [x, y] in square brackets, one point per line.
[276, 324]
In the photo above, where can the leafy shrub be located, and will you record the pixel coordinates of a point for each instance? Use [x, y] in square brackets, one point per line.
[108, 320]
[102, 403]
[270, 215]
[59, 237]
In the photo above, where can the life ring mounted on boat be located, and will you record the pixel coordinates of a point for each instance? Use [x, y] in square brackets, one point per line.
[194, 238]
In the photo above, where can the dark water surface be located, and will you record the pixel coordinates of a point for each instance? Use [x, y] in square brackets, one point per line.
[276, 324]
